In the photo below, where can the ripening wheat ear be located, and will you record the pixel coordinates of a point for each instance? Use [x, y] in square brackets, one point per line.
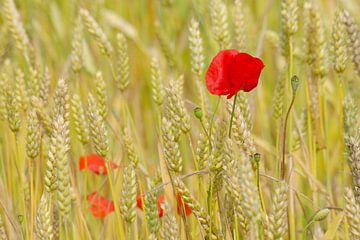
[197, 210]
[203, 150]
[241, 133]
[62, 106]
[13, 107]
[122, 78]
[95, 30]
[34, 81]
[353, 41]
[353, 149]
[77, 55]
[278, 97]
[16, 27]
[20, 90]
[352, 210]
[244, 107]
[220, 26]
[218, 157]
[175, 108]
[157, 85]
[80, 121]
[171, 147]
[45, 83]
[3, 83]
[239, 26]
[338, 47]
[350, 116]
[129, 187]
[250, 202]
[59, 139]
[233, 189]
[278, 218]
[316, 51]
[196, 48]
[43, 226]
[166, 49]
[170, 226]
[33, 135]
[101, 95]
[43, 116]
[300, 133]
[151, 207]
[130, 148]
[98, 130]
[288, 23]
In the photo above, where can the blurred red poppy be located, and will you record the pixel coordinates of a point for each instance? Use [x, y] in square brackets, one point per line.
[182, 204]
[231, 71]
[161, 206]
[95, 163]
[99, 206]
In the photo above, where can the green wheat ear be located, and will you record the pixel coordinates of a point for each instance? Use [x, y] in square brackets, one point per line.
[157, 85]
[95, 30]
[129, 189]
[122, 78]
[44, 226]
[220, 25]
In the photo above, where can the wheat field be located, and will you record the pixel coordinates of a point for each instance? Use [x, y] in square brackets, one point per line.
[108, 129]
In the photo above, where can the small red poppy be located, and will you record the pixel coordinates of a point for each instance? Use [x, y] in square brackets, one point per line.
[99, 205]
[161, 206]
[182, 204]
[231, 71]
[95, 163]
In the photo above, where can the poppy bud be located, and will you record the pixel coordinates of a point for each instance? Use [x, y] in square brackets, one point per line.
[257, 157]
[295, 83]
[198, 113]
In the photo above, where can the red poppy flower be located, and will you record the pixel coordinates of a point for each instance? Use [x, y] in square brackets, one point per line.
[99, 205]
[95, 163]
[182, 204]
[231, 71]
[161, 206]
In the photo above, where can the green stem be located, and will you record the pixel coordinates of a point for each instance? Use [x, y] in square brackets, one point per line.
[258, 187]
[232, 115]
[283, 170]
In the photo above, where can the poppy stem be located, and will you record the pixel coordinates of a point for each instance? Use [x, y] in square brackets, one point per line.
[283, 168]
[232, 114]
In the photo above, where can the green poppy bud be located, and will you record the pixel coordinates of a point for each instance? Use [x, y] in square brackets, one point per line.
[295, 82]
[198, 113]
[257, 157]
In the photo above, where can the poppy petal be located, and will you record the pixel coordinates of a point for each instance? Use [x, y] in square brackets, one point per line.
[182, 205]
[231, 71]
[99, 206]
[161, 205]
[139, 202]
[95, 164]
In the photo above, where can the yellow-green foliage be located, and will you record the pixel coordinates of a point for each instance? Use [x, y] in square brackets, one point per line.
[126, 80]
